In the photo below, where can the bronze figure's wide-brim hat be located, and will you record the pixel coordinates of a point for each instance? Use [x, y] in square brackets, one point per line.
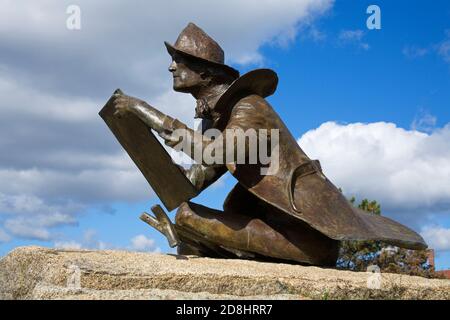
[193, 42]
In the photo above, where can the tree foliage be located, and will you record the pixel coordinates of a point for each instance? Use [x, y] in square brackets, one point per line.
[358, 255]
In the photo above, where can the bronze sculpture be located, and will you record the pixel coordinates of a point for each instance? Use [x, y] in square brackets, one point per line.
[294, 214]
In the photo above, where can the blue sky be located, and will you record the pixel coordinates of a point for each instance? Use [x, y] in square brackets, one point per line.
[372, 105]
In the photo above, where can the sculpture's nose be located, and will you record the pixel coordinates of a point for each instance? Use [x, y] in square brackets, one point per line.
[173, 66]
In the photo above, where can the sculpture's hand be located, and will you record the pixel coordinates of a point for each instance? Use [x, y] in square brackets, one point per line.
[170, 139]
[124, 104]
[152, 117]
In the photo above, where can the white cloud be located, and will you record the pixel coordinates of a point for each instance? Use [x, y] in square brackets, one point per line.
[178, 105]
[37, 227]
[56, 154]
[407, 171]
[28, 216]
[25, 101]
[89, 241]
[413, 52]
[132, 55]
[353, 37]
[68, 245]
[4, 237]
[142, 243]
[437, 237]
[424, 121]
[28, 205]
[24, 228]
[85, 186]
[443, 48]
[316, 34]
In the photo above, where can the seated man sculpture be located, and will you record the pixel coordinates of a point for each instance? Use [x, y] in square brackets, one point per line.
[295, 213]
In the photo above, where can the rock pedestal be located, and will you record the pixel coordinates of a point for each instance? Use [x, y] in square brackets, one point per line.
[42, 273]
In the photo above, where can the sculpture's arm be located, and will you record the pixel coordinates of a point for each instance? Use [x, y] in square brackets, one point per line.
[152, 117]
[240, 141]
[201, 176]
[232, 145]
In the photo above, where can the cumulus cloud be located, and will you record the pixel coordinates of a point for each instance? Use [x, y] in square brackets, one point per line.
[413, 52]
[68, 245]
[57, 156]
[443, 48]
[87, 186]
[89, 241]
[37, 227]
[314, 33]
[142, 243]
[354, 37]
[407, 171]
[29, 217]
[424, 121]
[23, 228]
[131, 55]
[27, 205]
[437, 237]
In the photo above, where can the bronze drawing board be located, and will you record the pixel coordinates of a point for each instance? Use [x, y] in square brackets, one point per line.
[164, 176]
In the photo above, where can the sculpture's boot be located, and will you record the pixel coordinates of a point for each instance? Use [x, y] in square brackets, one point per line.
[162, 223]
[247, 236]
[188, 241]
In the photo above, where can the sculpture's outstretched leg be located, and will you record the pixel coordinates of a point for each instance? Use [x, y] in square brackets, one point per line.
[247, 228]
[229, 234]
[191, 243]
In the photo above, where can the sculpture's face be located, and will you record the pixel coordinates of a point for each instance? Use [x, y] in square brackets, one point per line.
[185, 78]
